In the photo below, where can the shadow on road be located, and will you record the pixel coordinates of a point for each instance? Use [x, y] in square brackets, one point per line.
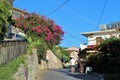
[77, 75]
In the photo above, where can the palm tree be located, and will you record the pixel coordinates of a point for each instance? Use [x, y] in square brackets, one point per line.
[4, 16]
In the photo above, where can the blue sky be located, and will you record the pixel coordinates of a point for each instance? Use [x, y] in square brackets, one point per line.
[75, 17]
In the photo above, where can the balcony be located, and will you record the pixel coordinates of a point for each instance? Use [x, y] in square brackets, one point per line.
[91, 47]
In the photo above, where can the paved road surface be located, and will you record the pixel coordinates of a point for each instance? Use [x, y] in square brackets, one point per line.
[64, 74]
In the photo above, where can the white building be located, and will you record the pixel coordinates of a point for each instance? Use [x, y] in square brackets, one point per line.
[95, 37]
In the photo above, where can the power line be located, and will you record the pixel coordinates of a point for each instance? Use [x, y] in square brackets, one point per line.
[58, 8]
[102, 13]
[73, 36]
[20, 2]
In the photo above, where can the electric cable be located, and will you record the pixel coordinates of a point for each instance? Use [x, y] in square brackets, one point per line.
[100, 18]
[73, 36]
[58, 8]
[20, 2]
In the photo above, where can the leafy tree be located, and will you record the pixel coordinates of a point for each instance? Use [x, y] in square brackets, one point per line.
[61, 53]
[110, 47]
[41, 27]
[108, 59]
[41, 32]
[4, 11]
[4, 16]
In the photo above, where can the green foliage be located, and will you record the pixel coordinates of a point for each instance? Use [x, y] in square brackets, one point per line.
[41, 50]
[98, 62]
[41, 32]
[110, 47]
[4, 12]
[4, 15]
[61, 53]
[32, 44]
[112, 76]
[108, 60]
[42, 27]
[1, 36]
[7, 71]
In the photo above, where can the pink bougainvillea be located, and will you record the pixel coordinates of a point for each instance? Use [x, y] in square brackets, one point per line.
[42, 26]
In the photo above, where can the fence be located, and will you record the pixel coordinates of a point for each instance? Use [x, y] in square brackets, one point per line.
[10, 50]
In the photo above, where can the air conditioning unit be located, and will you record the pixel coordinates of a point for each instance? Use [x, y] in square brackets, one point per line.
[103, 27]
[113, 25]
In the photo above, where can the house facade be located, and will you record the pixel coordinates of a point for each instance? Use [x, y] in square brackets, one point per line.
[17, 12]
[12, 32]
[96, 37]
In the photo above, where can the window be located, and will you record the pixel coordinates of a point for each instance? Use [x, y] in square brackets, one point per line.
[15, 14]
[98, 40]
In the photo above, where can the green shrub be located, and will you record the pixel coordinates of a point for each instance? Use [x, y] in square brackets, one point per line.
[98, 62]
[7, 71]
[61, 53]
[107, 60]
[112, 76]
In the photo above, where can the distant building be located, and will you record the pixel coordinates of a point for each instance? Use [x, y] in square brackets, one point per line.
[73, 48]
[73, 52]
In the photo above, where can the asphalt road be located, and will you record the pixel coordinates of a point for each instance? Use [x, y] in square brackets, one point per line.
[65, 74]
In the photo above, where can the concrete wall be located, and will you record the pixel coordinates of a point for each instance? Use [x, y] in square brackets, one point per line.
[53, 62]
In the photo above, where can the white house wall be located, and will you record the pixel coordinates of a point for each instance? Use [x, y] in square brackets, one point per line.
[92, 39]
[82, 46]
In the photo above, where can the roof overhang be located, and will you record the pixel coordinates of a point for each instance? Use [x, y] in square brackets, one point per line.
[98, 32]
[19, 10]
[72, 49]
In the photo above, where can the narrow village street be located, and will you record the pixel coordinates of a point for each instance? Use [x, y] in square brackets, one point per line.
[65, 74]
[59, 40]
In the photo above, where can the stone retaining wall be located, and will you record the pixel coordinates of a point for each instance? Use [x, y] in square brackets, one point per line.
[30, 70]
[53, 62]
